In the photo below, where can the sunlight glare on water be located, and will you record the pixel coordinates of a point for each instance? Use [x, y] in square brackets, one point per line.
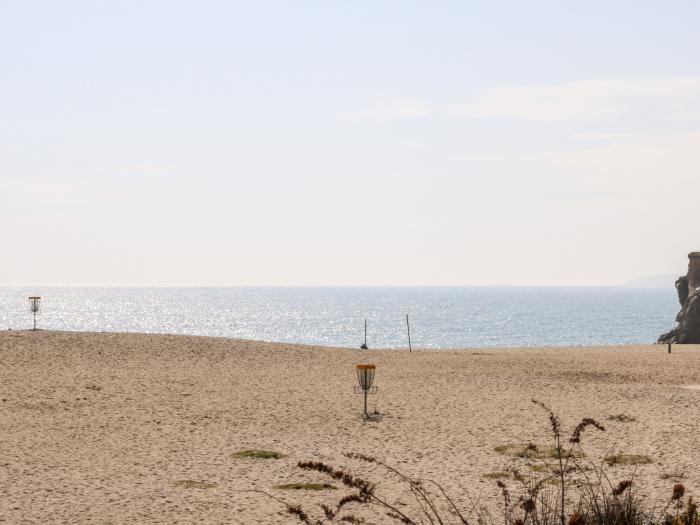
[440, 317]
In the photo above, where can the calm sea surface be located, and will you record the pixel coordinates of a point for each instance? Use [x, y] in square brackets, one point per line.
[439, 317]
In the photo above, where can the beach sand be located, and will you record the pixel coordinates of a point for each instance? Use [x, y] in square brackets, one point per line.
[99, 428]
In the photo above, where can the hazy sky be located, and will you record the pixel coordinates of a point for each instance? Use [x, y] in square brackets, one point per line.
[348, 142]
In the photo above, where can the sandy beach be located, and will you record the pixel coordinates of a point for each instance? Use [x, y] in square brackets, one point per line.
[107, 428]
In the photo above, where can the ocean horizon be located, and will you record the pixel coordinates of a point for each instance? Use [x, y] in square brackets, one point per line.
[440, 317]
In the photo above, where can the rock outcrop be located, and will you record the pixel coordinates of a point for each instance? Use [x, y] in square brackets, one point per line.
[688, 287]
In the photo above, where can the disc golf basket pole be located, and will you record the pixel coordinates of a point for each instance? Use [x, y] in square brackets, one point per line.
[34, 301]
[365, 376]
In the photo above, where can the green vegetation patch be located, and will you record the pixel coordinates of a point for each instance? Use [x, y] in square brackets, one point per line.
[530, 451]
[191, 484]
[258, 454]
[627, 459]
[306, 486]
[496, 475]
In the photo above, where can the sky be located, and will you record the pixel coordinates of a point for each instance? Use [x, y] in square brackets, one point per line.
[221, 143]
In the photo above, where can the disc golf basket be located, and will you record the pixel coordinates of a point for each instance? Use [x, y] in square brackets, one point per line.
[365, 378]
[34, 301]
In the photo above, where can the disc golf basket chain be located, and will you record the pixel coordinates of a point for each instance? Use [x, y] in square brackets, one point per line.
[365, 378]
[34, 301]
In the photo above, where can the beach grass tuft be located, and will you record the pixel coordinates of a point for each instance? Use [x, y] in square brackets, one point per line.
[674, 475]
[622, 418]
[627, 459]
[258, 454]
[559, 492]
[191, 484]
[496, 475]
[528, 451]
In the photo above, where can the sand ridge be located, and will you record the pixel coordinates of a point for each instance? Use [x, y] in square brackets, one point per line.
[100, 427]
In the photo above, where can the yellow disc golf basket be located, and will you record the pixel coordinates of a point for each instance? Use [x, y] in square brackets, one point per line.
[365, 377]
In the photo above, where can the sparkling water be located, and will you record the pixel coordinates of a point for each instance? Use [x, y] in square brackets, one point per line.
[450, 317]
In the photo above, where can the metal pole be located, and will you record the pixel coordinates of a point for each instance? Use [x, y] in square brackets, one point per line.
[408, 328]
[669, 348]
[365, 332]
[34, 320]
[366, 414]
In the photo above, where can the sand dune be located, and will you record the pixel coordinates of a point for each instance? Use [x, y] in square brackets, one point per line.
[100, 428]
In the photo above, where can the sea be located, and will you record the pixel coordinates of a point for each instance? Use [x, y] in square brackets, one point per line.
[441, 317]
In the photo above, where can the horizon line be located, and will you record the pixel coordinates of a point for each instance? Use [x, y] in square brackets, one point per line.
[626, 284]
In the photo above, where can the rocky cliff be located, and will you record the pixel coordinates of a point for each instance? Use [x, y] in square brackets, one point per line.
[688, 287]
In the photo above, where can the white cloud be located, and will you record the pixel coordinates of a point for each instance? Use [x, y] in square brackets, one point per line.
[674, 98]
[391, 110]
[643, 170]
[47, 190]
[141, 169]
[603, 136]
[586, 99]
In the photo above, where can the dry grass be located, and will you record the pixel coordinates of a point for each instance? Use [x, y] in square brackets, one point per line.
[257, 454]
[674, 475]
[568, 490]
[191, 484]
[306, 486]
[627, 459]
[528, 451]
[496, 475]
[622, 418]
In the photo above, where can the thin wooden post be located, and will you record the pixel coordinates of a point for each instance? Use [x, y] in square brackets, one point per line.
[408, 328]
[669, 348]
[364, 345]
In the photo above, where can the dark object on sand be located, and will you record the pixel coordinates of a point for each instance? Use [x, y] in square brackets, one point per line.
[364, 346]
[688, 287]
